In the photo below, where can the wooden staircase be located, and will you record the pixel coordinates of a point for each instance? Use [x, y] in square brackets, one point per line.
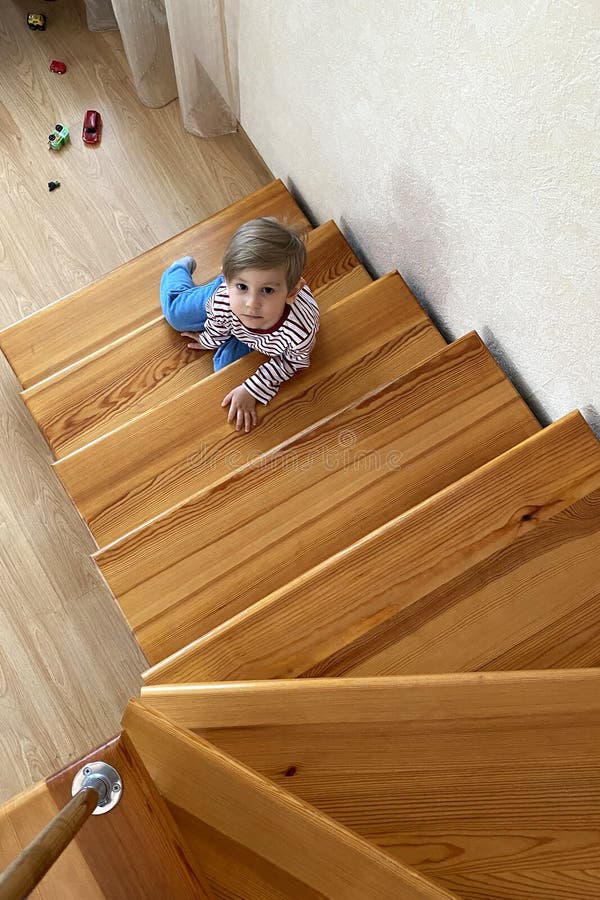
[398, 515]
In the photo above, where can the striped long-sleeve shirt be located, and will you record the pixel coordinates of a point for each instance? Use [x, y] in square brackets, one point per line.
[288, 343]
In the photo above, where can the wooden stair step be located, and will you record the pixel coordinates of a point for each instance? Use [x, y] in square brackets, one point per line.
[234, 872]
[331, 486]
[487, 573]
[205, 788]
[133, 852]
[162, 457]
[488, 783]
[140, 370]
[76, 326]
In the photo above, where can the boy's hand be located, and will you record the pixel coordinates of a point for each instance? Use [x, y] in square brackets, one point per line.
[242, 408]
[194, 336]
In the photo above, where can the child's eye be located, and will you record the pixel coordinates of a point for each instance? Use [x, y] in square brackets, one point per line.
[241, 287]
[268, 290]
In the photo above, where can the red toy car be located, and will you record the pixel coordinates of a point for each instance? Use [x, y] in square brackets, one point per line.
[57, 66]
[92, 126]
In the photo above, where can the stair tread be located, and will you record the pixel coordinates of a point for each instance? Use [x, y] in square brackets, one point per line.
[131, 375]
[327, 489]
[206, 783]
[135, 850]
[233, 871]
[513, 697]
[159, 459]
[456, 539]
[72, 328]
[533, 604]
[478, 780]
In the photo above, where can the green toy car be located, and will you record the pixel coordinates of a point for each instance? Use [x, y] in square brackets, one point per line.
[59, 136]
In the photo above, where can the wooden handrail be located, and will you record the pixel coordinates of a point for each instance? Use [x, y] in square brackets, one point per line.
[33, 862]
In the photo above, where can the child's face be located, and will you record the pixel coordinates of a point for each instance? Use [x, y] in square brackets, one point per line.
[258, 296]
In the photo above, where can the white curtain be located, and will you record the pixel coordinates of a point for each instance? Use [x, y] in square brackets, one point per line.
[205, 52]
[185, 48]
[100, 16]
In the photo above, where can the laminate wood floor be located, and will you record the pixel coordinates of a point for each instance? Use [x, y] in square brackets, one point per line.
[68, 663]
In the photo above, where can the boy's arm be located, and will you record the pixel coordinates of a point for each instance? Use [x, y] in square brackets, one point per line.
[215, 332]
[182, 301]
[265, 382]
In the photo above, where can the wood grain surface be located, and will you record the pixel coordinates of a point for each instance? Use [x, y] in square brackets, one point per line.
[56, 336]
[162, 457]
[134, 851]
[393, 699]
[325, 490]
[488, 782]
[506, 502]
[249, 809]
[533, 604]
[64, 642]
[21, 819]
[235, 872]
[24, 873]
[149, 365]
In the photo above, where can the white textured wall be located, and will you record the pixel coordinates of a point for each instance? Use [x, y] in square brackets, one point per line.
[455, 140]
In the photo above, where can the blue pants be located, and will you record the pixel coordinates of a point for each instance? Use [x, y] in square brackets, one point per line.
[184, 306]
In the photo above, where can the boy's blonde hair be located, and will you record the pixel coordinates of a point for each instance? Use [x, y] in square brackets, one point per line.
[265, 244]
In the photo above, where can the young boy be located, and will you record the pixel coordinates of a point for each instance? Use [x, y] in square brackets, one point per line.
[260, 302]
